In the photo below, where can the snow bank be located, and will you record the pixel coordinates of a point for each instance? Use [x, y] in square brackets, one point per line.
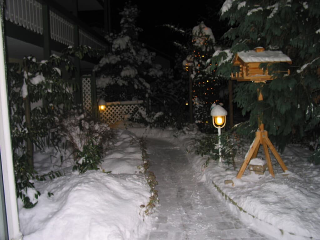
[94, 205]
[97, 205]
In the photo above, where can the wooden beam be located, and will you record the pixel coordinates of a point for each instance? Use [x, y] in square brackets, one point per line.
[266, 153]
[107, 17]
[94, 100]
[275, 153]
[46, 31]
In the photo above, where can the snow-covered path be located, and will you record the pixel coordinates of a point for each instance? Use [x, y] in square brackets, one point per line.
[187, 209]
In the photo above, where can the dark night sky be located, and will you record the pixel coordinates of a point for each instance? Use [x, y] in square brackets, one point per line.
[153, 14]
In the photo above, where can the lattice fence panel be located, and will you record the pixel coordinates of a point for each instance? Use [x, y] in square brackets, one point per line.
[86, 93]
[119, 112]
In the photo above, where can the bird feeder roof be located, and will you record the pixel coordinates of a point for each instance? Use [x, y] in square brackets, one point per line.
[259, 55]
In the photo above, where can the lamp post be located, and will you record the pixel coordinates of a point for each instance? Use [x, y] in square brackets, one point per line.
[218, 114]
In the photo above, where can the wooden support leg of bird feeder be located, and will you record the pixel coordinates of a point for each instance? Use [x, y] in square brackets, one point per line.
[255, 145]
[262, 139]
[276, 154]
[269, 164]
[255, 154]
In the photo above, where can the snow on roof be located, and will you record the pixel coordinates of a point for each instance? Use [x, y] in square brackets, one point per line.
[265, 56]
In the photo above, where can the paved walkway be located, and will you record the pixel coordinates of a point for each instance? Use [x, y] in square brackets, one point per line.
[188, 210]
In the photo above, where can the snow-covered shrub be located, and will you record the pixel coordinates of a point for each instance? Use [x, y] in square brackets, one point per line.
[37, 83]
[24, 176]
[37, 93]
[313, 132]
[208, 146]
[88, 138]
[315, 157]
[90, 157]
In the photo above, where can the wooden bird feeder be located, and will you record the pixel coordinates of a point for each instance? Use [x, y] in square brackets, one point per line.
[249, 63]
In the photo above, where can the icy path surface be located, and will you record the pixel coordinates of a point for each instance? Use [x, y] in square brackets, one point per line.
[188, 209]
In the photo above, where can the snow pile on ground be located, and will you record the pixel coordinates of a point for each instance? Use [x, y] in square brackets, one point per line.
[93, 205]
[289, 202]
[98, 205]
[285, 207]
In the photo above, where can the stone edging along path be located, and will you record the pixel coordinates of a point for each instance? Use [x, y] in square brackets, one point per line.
[242, 212]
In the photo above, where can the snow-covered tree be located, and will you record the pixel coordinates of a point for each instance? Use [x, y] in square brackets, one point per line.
[206, 86]
[291, 102]
[40, 93]
[39, 83]
[127, 70]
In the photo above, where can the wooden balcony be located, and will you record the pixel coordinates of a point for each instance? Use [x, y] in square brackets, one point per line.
[29, 20]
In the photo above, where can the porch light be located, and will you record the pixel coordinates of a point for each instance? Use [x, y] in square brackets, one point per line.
[102, 104]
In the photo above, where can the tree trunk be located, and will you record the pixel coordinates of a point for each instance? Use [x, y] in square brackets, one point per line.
[27, 108]
[230, 103]
[190, 99]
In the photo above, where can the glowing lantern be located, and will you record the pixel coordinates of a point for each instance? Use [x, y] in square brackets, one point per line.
[102, 105]
[218, 114]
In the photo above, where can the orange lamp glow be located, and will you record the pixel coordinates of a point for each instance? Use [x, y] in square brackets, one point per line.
[219, 121]
[102, 105]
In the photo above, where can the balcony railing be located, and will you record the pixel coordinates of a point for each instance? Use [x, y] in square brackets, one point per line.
[28, 14]
[61, 30]
[25, 13]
